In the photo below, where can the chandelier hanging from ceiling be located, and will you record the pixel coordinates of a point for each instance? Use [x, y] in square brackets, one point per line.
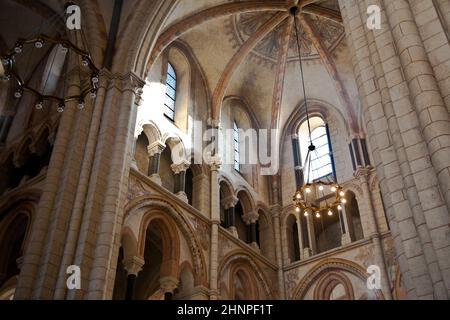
[320, 195]
[74, 59]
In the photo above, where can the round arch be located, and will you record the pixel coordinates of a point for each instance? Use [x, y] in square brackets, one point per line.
[329, 281]
[246, 199]
[144, 206]
[241, 257]
[331, 265]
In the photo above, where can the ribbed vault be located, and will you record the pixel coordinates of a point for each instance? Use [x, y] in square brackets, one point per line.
[263, 31]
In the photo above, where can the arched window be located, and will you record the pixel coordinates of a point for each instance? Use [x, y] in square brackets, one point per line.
[171, 93]
[321, 158]
[237, 165]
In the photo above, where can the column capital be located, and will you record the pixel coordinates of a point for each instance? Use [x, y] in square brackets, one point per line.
[181, 166]
[168, 284]
[156, 147]
[251, 217]
[214, 123]
[363, 173]
[133, 265]
[276, 210]
[214, 161]
[229, 202]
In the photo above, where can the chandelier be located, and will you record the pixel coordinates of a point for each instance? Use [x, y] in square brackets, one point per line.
[315, 196]
[75, 59]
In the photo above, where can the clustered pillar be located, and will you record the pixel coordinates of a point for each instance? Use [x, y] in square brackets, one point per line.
[400, 85]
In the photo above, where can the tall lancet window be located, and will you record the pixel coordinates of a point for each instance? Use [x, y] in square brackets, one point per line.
[321, 159]
[236, 147]
[171, 93]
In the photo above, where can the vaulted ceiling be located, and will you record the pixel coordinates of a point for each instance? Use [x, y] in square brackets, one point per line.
[249, 49]
[246, 48]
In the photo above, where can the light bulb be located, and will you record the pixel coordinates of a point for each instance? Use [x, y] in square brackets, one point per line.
[297, 209]
[321, 188]
[344, 201]
[317, 214]
[330, 213]
[18, 94]
[306, 214]
[39, 105]
[333, 189]
[81, 105]
[308, 190]
[93, 94]
[342, 193]
[60, 108]
[298, 196]
[18, 49]
[39, 44]
[339, 207]
[85, 62]
[94, 79]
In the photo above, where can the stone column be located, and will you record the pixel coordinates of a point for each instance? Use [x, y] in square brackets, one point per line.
[311, 237]
[229, 204]
[250, 219]
[168, 286]
[215, 163]
[345, 229]
[305, 244]
[276, 210]
[398, 148]
[363, 175]
[154, 153]
[133, 266]
[299, 234]
[179, 170]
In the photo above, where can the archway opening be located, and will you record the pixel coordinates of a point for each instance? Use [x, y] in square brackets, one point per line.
[292, 239]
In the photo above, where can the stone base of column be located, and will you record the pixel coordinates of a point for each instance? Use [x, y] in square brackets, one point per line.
[345, 239]
[182, 195]
[233, 231]
[156, 179]
[307, 252]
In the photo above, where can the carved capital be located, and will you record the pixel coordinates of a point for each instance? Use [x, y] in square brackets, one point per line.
[213, 123]
[133, 265]
[180, 167]
[168, 284]
[124, 82]
[156, 147]
[363, 173]
[214, 161]
[251, 217]
[229, 202]
[276, 210]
